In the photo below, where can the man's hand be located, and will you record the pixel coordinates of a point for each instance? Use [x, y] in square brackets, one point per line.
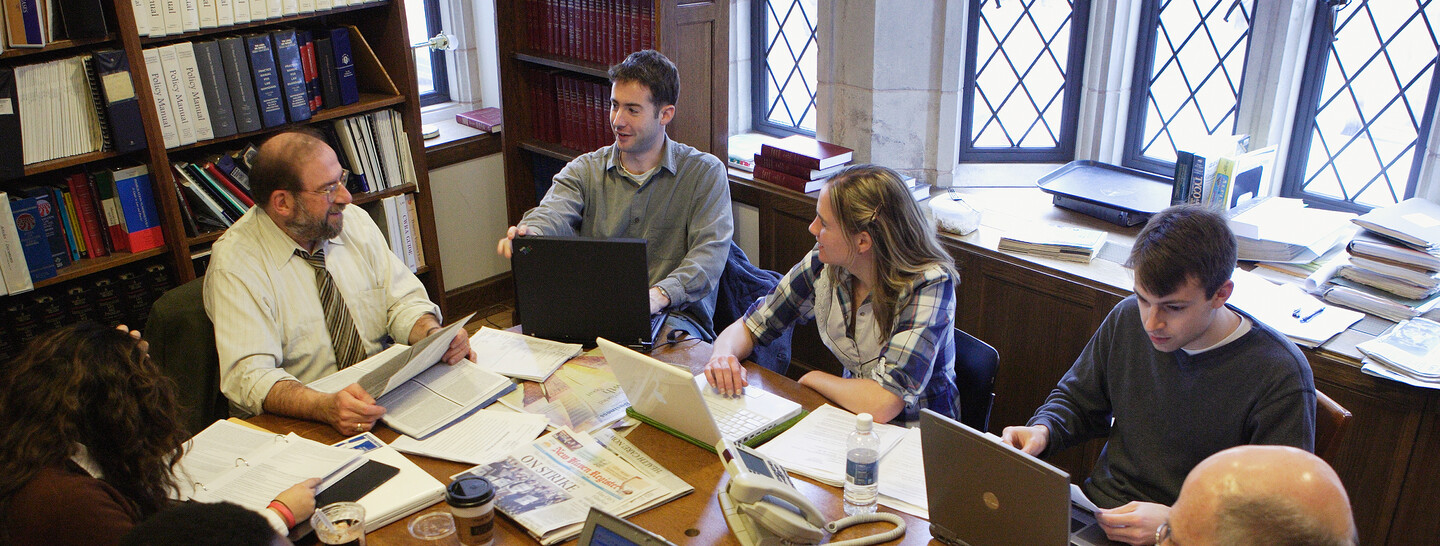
[1134, 523]
[352, 410]
[300, 499]
[1031, 439]
[144, 345]
[725, 373]
[658, 300]
[459, 348]
[503, 247]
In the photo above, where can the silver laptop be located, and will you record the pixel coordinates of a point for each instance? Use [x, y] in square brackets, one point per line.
[984, 492]
[672, 397]
[604, 529]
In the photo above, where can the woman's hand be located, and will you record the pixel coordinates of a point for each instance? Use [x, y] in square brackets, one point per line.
[726, 375]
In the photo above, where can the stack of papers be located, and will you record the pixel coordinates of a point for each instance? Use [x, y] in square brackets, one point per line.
[582, 395]
[815, 448]
[548, 486]
[247, 466]
[482, 437]
[1414, 222]
[1071, 244]
[1374, 301]
[1304, 319]
[1408, 352]
[1284, 230]
[518, 355]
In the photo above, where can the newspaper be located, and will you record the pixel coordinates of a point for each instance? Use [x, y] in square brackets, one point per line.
[549, 486]
[582, 395]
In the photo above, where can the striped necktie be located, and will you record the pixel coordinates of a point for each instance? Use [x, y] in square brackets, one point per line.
[343, 335]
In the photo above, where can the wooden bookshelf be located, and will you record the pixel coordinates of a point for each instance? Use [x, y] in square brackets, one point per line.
[387, 81]
[694, 35]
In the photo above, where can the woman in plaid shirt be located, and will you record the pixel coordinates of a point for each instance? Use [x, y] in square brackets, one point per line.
[883, 292]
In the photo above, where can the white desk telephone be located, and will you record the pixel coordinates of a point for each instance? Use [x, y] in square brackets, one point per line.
[764, 509]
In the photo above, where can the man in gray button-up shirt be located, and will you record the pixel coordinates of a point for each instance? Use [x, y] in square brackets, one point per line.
[646, 186]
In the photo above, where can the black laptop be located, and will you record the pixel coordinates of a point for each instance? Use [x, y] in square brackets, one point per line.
[575, 289]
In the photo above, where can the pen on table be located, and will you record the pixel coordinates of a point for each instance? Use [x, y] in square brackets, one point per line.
[1299, 313]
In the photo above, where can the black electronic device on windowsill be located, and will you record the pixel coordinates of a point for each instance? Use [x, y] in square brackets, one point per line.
[1119, 195]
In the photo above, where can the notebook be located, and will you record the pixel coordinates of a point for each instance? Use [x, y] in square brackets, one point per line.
[604, 529]
[999, 495]
[673, 400]
[575, 289]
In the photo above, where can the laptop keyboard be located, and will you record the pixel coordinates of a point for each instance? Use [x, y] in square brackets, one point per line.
[735, 422]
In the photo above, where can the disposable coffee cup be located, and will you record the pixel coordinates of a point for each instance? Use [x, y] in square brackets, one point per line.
[340, 524]
[472, 501]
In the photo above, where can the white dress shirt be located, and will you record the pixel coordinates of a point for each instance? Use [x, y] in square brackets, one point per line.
[269, 324]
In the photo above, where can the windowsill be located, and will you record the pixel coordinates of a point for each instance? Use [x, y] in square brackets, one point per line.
[1001, 175]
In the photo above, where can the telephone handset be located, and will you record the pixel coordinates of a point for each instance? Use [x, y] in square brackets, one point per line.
[763, 508]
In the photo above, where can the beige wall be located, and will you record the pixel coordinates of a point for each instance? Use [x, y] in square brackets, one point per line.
[469, 202]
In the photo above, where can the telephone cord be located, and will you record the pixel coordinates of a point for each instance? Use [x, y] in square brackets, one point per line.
[887, 536]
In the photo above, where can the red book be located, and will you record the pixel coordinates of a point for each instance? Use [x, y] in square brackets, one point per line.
[796, 170]
[89, 218]
[484, 119]
[229, 186]
[311, 73]
[787, 181]
[808, 152]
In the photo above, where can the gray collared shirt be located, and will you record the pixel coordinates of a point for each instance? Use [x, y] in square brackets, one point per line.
[683, 211]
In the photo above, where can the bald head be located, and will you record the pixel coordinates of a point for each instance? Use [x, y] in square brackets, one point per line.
[282, 161]
[1262, 495]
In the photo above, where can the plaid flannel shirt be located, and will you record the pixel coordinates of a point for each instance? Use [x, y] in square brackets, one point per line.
[916, 362]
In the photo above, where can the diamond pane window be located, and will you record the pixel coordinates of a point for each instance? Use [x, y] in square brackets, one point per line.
[1019, 103]
[1369, 114]
[1187, 77]
[786, 80]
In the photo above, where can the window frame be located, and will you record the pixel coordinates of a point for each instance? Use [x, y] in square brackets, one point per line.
[439, 66]
[1064, 150]
[1317, 60]
[759, 98]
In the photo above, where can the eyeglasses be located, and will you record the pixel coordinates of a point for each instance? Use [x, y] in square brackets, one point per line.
[328, 191]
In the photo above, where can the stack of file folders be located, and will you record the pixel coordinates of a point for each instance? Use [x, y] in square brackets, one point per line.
[1286, 231]
[1071, 244]
[1408, 352]
[1397, 259]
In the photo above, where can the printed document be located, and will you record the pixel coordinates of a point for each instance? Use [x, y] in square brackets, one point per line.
[518, 355]
[482, 437]
[815, 447]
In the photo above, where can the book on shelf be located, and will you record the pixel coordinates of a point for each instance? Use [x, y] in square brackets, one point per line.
[12, 161]
[27, 23]
[179, 99]
[1072, 244]
[34, 244]
[57, 117]
[89, 215]
[191, 83]
[808, 152]
[127, 133]
[137, 204]
[1414, 222]
[203, 204]
[1242, 178]
[485, 119]
[307, 63]
[343, 53]
[13, 269]
[216, 89]
[110, 206]
[47, 211]
[164, 110]
[292, 74]
[325, 71]
[268, 93]
[234, 61]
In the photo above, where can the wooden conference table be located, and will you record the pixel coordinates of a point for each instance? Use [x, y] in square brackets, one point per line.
[695, 518]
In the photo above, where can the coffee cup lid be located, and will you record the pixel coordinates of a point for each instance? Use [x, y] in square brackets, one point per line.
[469, 491]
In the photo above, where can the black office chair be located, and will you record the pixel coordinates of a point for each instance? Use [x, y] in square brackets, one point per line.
[975, 366]
[182, 343]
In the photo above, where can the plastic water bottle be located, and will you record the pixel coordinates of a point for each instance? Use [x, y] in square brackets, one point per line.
[862, 467]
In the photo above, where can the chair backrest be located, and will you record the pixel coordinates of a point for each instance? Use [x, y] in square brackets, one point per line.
[740, 284]
[975, 365]
[1331, 422]
[182, 343]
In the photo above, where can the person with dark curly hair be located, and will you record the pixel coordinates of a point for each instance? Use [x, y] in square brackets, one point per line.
[89, 440]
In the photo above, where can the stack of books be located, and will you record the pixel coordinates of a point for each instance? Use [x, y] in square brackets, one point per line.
[800, 163]
[1071, 244]
[1285, 230]
[1400, 253]
[1408, 352]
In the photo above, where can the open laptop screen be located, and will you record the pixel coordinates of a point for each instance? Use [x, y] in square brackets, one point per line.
[575, 289]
